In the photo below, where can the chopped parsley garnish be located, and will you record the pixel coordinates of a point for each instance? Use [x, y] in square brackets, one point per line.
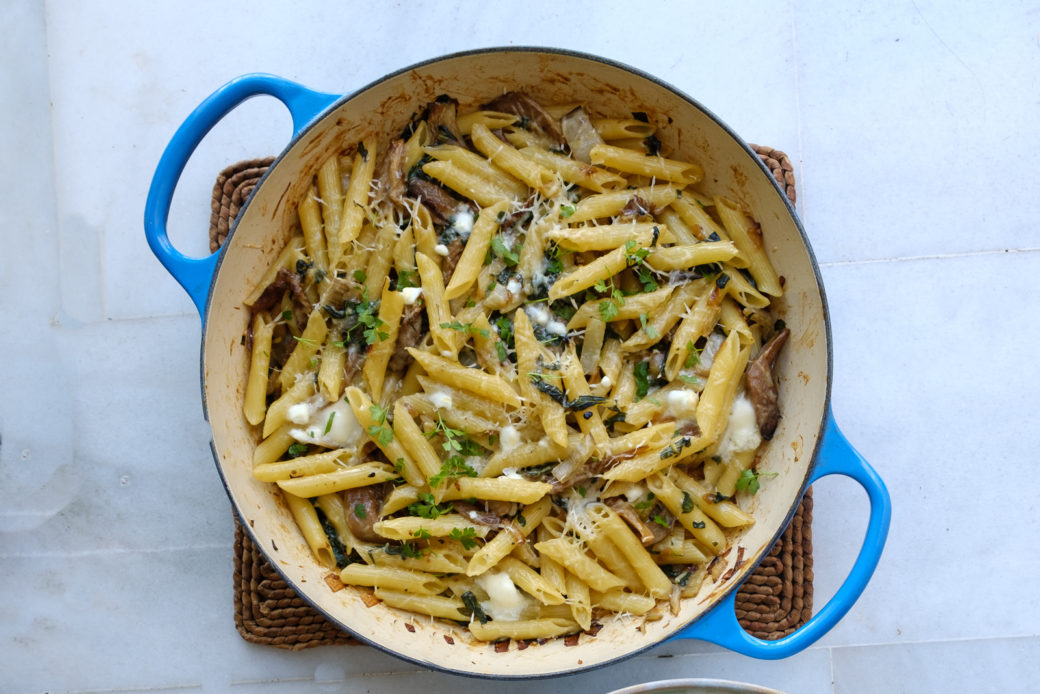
[650, 330]
[634, 255]
[451, 469]
[455, 440]
[405, 550]
[328, 424]
[360, 276]
[749, 480]
[499, 248]
[693, 355]
[687, 502]
[661, 521]
[359, 511]
[426, 507]
[380, 432]
[610, 307]
[646, 277]
[297, 449]
[465, 328]
[422, 534]
[567, 210]
[406, 278]
[465, 536]
[645, 503]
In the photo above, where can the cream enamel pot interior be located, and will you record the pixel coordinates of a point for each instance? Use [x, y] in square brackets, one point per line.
[806, 446]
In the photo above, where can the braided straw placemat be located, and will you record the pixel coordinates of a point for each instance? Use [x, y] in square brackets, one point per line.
[774, 601]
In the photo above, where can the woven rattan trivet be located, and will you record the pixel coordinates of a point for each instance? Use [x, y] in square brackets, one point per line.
[774, 601]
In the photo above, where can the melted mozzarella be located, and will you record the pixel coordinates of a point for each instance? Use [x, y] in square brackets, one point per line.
[504, 601]
[742, 430]
[440, 249]
[462, 222]
[411, 295]
[509, 437]
[682, 404]
[441, 399]
[334, 426]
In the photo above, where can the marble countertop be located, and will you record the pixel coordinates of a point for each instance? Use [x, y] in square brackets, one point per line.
[913, 126]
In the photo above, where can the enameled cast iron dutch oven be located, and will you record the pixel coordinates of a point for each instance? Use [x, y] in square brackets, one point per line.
[806, 446]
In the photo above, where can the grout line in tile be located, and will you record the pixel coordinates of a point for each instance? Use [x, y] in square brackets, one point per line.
[798, 110]
[145, 688]
[937, 256]
[114, 551]
[925, 642]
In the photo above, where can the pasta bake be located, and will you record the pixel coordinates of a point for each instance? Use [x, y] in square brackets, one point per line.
[514, 371]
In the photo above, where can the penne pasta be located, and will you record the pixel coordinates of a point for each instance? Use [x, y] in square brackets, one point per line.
[488, 359]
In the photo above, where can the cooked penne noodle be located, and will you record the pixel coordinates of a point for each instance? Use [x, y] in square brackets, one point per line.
[506, 157]
[629, 161]
[338, 480]
[255, 401]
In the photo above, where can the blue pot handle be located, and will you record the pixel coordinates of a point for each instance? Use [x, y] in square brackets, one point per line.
[195, 274]
[836, 457]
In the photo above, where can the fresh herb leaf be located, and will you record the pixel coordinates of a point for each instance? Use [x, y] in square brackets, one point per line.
[287, 314]
[466, 328]
[661, 521]
[405, 550]
[297, 449]
[380, 432]
[634, 255]
[426, 507]
[339, 551]
[687, 502]
[473, 605]
[645, 503]
[584, 402]
[642, 373]
[498, 246]
[675, 448]
[452, 468]
[693, 355]
[465, 536]
[359, 511]
[360, 276]
[650, 330]
[749, 480]
[699, 524]
[328, 424]
[422, 534]
[646, 277]
[567, 210]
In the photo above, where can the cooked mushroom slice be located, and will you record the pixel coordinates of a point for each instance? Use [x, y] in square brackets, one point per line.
[524, 106]
[761, 388]
[649, 533]
[439, 201]
[440, 119]
[392, 179]
[581, 135]
[363, 507]
[408, 335]
[273, 293]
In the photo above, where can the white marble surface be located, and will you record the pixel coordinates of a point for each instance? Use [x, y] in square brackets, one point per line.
[913, 126]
